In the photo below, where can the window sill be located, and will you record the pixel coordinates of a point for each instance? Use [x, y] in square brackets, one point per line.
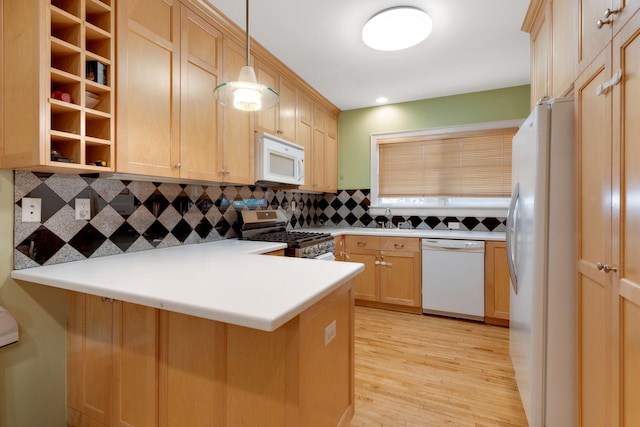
[498, 212]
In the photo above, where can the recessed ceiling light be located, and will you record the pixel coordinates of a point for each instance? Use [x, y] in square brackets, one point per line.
[381, 100]
[397, 28]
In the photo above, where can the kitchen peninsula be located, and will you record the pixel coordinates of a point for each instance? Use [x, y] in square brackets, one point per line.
[207, 334]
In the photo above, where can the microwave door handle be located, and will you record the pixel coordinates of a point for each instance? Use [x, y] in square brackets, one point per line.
[300, 169]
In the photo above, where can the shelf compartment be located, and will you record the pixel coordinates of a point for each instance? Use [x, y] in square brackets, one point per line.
[98, 126]
[98, 151]
[97, 6]
[67, 146]
[62, 77]
[99, 21]
[58, 105]
[72, 7]
[65, 57]
[65, 27]
[65, 119]
[96, 43]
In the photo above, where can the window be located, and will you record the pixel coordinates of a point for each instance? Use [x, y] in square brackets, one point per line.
[466, 167]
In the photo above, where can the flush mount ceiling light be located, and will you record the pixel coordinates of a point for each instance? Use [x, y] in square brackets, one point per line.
[246, 93]
[397, 28]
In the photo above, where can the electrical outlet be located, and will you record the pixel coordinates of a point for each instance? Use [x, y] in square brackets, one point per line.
[329, 332]
[83, 209]
[31, 209]
[454, 225]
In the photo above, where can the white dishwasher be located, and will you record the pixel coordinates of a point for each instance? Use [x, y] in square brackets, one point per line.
[453, 278]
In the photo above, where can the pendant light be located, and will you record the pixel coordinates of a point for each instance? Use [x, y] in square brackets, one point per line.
[246, 93]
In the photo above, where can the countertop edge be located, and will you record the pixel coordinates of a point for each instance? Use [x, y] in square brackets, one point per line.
[244, 308]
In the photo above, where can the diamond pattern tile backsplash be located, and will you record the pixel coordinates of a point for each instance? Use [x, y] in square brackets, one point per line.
[130, 216]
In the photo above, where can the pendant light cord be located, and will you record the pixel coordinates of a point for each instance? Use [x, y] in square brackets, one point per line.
[247, 29]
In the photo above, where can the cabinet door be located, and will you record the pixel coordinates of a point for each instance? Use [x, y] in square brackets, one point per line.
[594, 297]
[267, 120]
[318, 180]
[192, 389]
[400, 278]
[148, 87]
[626, 104]
[136, 370]
[331, 164]
[89, 360]
[287, 109]
[366, 284]
[496, 284]
[592, 39]
[564, 45]
[541, 56]
[237, 149]
[200, 118]
[304, 137]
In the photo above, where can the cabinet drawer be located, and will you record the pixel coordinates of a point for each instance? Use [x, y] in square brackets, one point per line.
[405, 244]
[353, 243]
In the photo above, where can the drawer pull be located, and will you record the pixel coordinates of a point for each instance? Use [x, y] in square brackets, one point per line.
[361, 244]
[399, 245]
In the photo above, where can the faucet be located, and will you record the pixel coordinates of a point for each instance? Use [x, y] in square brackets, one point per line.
[387, 213]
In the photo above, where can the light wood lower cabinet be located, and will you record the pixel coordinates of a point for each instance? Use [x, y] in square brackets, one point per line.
[139, 366]
[496, 284]
[391, 278]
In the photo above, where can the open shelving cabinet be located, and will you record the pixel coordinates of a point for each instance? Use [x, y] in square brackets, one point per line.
[47, 47]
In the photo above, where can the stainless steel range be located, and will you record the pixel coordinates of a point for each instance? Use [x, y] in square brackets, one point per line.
[271, 226]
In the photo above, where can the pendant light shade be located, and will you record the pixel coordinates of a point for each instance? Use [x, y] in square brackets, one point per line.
[246, 93]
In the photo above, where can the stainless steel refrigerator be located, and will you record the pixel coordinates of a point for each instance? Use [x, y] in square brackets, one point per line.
[540, 254]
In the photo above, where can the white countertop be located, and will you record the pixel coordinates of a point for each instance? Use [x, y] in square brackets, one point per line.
[226, 280]
[415, 232]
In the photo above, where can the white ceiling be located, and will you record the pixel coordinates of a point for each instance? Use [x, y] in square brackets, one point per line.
[475, 45]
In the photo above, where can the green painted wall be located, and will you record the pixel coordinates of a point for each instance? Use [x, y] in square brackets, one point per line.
[33, 370]
[356, 126]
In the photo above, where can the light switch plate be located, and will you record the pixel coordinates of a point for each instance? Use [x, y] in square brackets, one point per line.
[31, 209]
[83, 209]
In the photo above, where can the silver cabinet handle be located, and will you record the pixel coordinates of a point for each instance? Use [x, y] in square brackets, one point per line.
[178, 165]
[605, 267]
[607, 14]
[376, 262]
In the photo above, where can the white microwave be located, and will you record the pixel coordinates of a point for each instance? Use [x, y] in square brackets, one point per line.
[278, 161]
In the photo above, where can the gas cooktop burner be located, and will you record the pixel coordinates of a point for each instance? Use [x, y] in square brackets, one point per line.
[291, 237]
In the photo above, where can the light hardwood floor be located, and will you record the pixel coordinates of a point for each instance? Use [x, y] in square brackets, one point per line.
[414, 370]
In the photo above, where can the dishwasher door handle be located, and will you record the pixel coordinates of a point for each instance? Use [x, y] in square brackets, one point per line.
[452, 245]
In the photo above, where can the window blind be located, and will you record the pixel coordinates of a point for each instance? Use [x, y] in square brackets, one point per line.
[476, 164]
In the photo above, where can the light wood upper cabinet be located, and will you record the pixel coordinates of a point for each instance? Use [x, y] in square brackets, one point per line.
[55, 116]
[149, 88]
[325, 150]
[593, 37]
[267, 120]
[200, 115]
[236, 149]
[304, 137]
[553, 27]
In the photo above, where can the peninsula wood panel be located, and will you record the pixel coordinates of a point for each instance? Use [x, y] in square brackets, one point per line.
[135, 337]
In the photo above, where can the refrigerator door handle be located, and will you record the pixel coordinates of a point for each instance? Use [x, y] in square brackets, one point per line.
[512, 219]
